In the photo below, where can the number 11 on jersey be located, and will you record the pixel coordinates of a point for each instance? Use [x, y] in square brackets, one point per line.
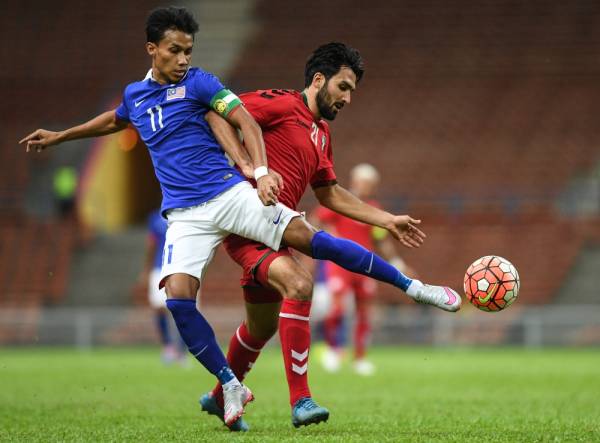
[159, 112]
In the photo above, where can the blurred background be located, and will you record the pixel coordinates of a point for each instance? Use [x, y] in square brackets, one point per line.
[482, 118]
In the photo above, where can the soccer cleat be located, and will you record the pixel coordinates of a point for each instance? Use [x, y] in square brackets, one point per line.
[441, 296]
[364, 367]
[305, 412]
[331, 360]
[169, 354]
[235, 397]
[208, 403]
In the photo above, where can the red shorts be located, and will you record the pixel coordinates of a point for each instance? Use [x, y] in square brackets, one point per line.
[255, 259]
[341, 281]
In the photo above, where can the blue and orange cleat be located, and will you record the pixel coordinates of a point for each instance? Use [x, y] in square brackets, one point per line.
[209, 405]
[305, 412]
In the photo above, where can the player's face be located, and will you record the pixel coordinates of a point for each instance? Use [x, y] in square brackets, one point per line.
[336, 93]
[171, 57]
[362, 187]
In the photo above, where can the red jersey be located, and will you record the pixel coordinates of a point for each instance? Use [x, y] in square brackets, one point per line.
[348, 228]
[297, 145]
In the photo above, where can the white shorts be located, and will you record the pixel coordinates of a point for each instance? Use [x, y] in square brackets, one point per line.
[156, 297]
[194, 233]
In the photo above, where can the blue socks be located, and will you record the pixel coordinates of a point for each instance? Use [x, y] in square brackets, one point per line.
[225, 375]
[353, 257]
[162, 324]
[199, 337]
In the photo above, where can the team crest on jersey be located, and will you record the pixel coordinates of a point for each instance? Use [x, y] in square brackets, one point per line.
[173, 93]
[323, 142]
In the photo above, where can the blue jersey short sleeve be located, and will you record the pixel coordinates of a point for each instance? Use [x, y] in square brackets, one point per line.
[122, 110]
[189, 163]
[206, 86]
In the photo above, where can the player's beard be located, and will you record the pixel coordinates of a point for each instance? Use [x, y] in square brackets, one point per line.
[325, 103]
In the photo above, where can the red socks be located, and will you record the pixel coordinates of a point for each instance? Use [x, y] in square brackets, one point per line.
[294, 333]
[241, 355]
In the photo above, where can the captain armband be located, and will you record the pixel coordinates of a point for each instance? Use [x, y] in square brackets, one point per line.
[224, 102]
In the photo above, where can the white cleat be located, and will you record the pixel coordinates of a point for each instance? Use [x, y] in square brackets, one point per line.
[331, 360]
[235, 398]
[442, 297]
[364, 367]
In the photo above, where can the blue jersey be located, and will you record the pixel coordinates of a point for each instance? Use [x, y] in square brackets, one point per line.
[157, 227]
[188, 161]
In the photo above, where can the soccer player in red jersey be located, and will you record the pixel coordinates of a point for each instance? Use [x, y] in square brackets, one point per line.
[364, 179]
[298, 145]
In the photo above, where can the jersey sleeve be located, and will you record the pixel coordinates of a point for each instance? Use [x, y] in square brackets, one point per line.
[325, 174]
[267, 107]
[122, 111]
[210, 91]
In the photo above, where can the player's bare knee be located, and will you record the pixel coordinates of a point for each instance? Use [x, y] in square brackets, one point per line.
[180, 286]
[299, 287]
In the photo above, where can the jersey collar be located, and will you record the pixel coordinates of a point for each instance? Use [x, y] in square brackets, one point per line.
[150, 77]
[305, 100]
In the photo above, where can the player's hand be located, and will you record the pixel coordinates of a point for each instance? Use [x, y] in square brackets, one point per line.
[268, 188]
[404, 229]
[40, 140]
[278, 178]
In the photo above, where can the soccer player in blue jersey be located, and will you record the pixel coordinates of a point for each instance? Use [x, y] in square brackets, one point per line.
[205, 199]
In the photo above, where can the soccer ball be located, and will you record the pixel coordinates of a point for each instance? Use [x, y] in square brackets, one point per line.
[492, 283]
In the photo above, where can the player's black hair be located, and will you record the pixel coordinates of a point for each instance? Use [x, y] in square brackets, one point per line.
[162, 19]
[328, 59]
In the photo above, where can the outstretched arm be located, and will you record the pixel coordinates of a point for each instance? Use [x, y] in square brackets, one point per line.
[340, 200]
[105, 123]
[250, 157]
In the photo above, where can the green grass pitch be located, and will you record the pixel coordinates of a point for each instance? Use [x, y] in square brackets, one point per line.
[418, 394]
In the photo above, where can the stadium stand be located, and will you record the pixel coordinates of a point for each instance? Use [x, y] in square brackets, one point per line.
[477, 125]
[477, 114]
[49, 84]
[491, 100]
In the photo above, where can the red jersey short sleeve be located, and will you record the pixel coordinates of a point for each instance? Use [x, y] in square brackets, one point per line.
[268, 108]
